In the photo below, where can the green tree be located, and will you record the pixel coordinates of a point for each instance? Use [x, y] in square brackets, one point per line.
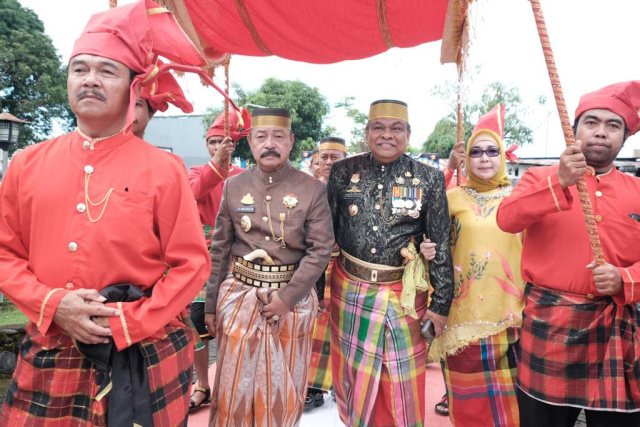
[358, 140]
[307, 105]
[32, 79]
[444, 135]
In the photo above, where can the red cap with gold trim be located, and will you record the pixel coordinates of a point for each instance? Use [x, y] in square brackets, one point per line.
[620, 98]
[135, 35]
[163, 91]
[239, 125]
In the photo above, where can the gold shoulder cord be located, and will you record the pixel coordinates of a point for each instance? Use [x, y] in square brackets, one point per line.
[87, 177]
[105, 199]
[283, 216]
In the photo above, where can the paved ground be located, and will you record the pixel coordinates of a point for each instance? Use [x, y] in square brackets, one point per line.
[327, 415]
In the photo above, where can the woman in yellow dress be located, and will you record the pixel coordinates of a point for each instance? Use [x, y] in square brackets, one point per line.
[478, 347]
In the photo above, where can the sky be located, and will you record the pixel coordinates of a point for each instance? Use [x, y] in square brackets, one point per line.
[592, 40]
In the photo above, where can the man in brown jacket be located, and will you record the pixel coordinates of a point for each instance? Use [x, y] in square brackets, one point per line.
[262, 313]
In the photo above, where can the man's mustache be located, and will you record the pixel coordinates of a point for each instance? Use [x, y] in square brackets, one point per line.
[270, 153]
[86, 92]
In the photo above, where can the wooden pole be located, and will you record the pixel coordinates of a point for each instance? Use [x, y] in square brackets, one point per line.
[567, 129]
[226, 100]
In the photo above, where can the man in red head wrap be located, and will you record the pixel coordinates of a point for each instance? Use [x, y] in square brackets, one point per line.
[580, 341]
[101, 247]
[157, 97]
[207, 182]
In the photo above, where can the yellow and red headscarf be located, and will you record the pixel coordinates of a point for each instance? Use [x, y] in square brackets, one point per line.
[491, 123]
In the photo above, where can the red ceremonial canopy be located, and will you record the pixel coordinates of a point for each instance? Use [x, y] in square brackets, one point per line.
[315, 31]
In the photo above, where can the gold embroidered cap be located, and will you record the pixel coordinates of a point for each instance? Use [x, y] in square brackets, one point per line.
[271, 117]
[332, 143]
[389, 108]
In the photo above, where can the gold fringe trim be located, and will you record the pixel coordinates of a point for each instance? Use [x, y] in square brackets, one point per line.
[44, 304]
[632, 283]
[455, 339]
[125, 328]
[215, 169]
[553, 193]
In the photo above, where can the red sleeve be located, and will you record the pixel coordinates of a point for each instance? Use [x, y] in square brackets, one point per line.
[184, 251]
[631, 285]
[205, 178]
[537, 195]
[36, 300]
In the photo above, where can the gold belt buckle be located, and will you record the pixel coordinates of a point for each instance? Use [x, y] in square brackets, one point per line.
[374, 275]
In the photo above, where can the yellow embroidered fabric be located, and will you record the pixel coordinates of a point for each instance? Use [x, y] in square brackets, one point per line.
[488, 287]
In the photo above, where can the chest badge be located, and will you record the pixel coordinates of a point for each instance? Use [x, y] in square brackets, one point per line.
[400, 181]
[407, 174]
[247, 199]
[245, 223]
[353, 210]
[355, 178]
[290, 201]
[415, 181]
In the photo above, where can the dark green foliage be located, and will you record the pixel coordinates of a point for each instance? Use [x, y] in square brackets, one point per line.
[32, 79]
[307, 105]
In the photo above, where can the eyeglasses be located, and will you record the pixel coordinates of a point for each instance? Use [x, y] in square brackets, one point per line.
[491, 152]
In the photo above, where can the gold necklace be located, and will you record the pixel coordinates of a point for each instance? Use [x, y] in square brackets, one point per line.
[93, 141]
[283, 216]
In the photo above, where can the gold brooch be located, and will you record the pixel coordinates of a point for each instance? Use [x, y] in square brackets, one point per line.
[353, 210]
[355, 178]
[415, 181]
[245, 223]
[247, 199]
[290, 201]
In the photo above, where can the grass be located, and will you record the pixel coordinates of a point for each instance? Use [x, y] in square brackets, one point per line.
[10, 315]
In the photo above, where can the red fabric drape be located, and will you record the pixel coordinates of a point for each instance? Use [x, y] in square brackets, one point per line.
[314, 31]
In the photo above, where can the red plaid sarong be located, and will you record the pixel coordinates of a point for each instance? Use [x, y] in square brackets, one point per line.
[55, 385]
[580, 352]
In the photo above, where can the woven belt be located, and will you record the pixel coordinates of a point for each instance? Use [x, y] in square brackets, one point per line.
[263, 276]
[368, 272]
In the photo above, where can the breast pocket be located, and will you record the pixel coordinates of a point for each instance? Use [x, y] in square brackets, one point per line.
[127, 219]
[624, 233]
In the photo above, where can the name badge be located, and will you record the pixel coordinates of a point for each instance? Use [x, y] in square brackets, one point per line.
[246, 209]
[348, 196]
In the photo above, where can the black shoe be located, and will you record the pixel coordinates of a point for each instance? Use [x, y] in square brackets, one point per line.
[314, 399]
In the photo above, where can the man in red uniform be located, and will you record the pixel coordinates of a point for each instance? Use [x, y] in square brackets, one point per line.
[100, 207]
[580, 343]
[207, 183]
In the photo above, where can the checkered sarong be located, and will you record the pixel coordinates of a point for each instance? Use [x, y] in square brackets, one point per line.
[374, 346]
[54, 384]
[320, 366]
[580, 352]
[481, 379]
